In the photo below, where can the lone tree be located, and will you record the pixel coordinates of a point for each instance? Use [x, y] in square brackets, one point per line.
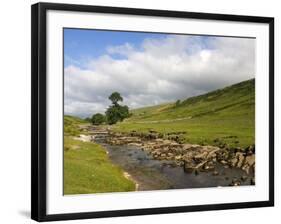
[98, 119]
[116, 112]
[115, 97]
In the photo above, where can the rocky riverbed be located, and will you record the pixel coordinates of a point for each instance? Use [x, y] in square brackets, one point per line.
[192, 158]
[212, 165]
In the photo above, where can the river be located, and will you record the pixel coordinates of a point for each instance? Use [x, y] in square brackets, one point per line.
[151, 174]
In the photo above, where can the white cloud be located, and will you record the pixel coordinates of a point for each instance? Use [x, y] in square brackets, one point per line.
[166, 69]
[122, 49]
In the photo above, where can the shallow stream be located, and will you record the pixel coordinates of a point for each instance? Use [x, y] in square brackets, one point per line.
[151, 174]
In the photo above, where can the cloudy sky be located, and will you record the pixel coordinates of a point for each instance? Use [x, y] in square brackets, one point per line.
[148, 69]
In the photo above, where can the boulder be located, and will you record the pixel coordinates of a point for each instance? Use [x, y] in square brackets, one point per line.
[223, 162]
[249, 163]
[200, 157]
[186, 146]
[233, 162]
[179, 157]
[212, 153]
[240, 157]
[159, 140]
[166, 142]
[202, 165]
[250, 160]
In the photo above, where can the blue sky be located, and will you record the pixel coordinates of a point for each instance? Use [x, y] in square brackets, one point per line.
[148, 68]
[81, 45]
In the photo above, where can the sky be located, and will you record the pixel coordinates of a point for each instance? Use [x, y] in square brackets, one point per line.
[148, 68]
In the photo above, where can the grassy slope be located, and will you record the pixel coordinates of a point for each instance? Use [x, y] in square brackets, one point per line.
[87, 168]
[227, 114]
[71, 125]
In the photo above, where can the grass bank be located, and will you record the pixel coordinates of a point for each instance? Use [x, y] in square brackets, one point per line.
[226, 116]
[87, 169]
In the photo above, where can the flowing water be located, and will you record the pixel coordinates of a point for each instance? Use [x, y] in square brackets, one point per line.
[151, 174]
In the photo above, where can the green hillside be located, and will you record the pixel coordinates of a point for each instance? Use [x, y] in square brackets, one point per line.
[225, 115]
[71, 125]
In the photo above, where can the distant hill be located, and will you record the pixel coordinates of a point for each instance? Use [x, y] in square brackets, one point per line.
[226, 114]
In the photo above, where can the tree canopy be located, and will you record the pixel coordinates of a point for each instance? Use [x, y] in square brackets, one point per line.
[115, 97]
[116, 113]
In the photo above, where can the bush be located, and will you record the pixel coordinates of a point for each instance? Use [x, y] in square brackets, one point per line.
[88, 119]
[98, 119]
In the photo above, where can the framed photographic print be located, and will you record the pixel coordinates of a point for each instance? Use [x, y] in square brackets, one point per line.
[139, 111]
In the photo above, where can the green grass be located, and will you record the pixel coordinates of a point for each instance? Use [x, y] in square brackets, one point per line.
[71, 125]
[226, 114]
[87, 169]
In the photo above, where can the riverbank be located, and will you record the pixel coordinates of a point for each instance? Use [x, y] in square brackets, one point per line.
[88, 169]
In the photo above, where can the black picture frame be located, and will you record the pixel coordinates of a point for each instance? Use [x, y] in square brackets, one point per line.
[38, 108]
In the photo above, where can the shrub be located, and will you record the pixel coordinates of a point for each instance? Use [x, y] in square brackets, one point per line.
[98, 119]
